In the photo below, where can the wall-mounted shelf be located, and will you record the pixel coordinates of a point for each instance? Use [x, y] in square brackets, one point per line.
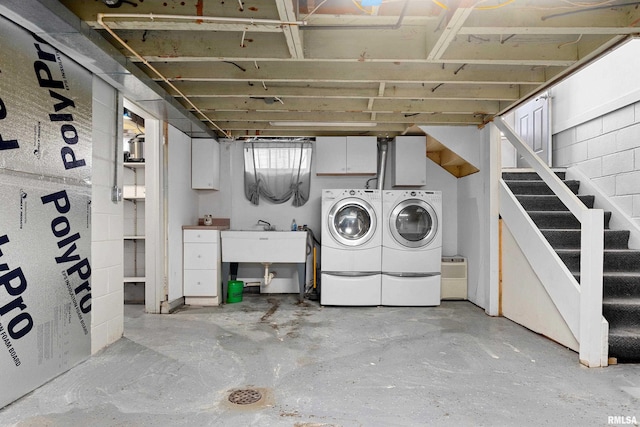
[133, 192]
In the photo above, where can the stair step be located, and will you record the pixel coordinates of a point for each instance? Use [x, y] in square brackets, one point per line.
[624, 343]
[622, 312]
[570, 238]
[543, 202]
[560, 219]
[621, 277]
[528, 176]
[622, 260]
[619, 284]
[537, 187]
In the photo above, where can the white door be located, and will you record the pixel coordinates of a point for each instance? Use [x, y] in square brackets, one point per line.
[532, 124]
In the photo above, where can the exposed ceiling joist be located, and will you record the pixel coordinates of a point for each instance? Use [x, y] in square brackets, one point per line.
[455, 21]
[455, 62]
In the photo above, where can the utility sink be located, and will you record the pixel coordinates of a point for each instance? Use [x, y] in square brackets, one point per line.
[264, 246]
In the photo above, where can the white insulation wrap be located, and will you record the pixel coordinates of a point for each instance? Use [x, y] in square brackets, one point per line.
[45, 212]
[45, 113]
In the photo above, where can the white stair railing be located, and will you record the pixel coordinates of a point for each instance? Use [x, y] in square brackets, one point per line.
[593, 333]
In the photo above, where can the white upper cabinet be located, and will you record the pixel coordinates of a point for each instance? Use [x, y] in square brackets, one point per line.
[346, 155]
[205, 164]
[409, 167]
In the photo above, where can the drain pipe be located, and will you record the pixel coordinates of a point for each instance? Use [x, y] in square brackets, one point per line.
[384, 147]
[268, 277]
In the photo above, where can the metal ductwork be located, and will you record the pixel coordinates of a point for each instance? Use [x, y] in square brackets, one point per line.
[383, 147]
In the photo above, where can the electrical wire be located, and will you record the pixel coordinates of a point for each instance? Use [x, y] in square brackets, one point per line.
[314, 10]
[440, 4]
[497, 6]
[568, 43]
[361, 8]
[588, 9]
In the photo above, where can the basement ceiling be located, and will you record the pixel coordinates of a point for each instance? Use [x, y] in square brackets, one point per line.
[368, 67]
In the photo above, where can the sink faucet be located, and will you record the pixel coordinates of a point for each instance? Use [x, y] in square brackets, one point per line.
[266, 226]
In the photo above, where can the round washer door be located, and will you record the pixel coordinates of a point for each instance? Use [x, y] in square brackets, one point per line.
[352, 222]
[413, 223]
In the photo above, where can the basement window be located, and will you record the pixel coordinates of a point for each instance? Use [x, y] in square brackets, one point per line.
[277, 171]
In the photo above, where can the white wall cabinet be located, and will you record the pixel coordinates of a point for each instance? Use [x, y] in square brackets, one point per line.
[201, 260]
[205, 164]
[346, 155]
[408, 156]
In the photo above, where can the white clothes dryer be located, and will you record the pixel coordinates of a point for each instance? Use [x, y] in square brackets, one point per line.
[350, 257]
[411, 247]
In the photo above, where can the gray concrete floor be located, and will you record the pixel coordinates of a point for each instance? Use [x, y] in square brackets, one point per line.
[330, 366]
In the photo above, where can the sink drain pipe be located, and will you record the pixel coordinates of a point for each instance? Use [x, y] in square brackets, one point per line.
[268, 276]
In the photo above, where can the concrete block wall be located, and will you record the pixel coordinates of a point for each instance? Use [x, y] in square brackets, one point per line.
[107, 307]
[607, 150]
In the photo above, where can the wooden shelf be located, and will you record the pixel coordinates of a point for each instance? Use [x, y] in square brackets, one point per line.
[135, 279]
[134, 237]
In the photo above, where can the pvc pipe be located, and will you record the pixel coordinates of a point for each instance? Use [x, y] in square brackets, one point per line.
[151, 16]
[268, 277]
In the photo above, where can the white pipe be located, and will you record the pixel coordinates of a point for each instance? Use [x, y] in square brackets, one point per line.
[151, 16]
[102, 16]
[268, 277]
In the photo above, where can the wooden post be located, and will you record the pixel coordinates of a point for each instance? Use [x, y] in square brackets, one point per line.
[591, 267]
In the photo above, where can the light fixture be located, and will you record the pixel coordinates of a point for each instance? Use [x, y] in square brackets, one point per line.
[324, 124]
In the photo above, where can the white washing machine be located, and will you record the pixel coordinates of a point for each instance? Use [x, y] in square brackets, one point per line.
[411, 247]
[351, 251]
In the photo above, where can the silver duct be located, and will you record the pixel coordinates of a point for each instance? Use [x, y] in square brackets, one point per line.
[382, 165]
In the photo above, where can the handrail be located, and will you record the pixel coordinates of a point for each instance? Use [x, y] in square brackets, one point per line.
[594, 332]
[570, 200]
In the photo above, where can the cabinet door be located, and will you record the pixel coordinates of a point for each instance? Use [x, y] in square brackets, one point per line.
[331, 155]
[362, 155]
[200, 236]
[200, 256]
[201, 283]
[409, 161]
[205, 164]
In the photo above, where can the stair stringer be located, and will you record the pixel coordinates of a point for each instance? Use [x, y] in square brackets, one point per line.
[619, 219]
[557, 280]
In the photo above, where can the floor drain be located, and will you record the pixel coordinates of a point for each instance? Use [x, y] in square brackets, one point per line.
[245, 396]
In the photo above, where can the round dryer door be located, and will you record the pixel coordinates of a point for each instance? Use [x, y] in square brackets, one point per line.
[352, 222]
[413, 223]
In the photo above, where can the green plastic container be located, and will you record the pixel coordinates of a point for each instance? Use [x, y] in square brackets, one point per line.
[234, 291]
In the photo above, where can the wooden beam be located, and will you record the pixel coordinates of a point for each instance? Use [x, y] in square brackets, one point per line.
[453, 25]
[548, 30]
[292, 33]
[319, 72]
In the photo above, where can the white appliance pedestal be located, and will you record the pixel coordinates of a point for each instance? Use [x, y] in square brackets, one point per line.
[350, 289]
[411, 290]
